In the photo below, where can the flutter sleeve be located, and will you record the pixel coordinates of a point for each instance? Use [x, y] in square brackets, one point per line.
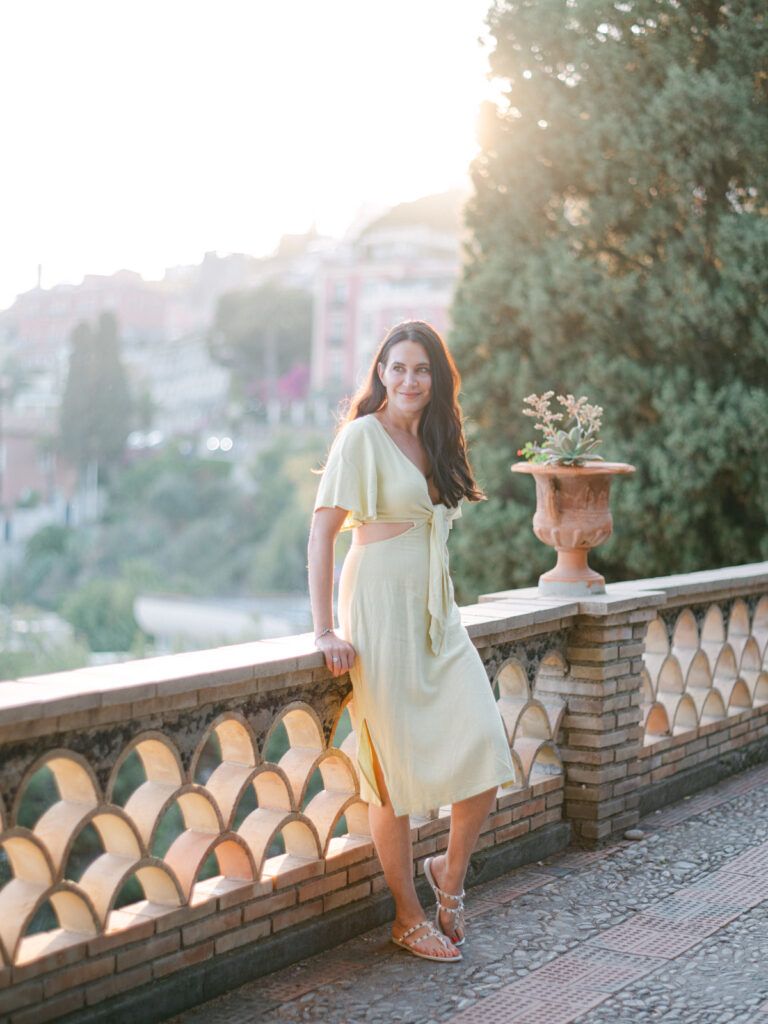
[349, 478]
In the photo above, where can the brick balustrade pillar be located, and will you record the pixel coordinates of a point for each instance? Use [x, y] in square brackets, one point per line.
[601, 734]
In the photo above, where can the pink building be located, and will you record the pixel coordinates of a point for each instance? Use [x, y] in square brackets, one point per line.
[31, 469]
[402, 266]
[40, 321]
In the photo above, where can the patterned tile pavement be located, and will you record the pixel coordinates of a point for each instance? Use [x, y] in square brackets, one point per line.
[670, 929]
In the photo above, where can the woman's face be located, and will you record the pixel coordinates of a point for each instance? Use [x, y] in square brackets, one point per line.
[407, 376]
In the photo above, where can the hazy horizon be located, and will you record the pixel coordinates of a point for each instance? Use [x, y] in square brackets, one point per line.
[147, 135]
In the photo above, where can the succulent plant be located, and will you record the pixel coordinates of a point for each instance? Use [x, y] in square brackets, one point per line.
[563, 447]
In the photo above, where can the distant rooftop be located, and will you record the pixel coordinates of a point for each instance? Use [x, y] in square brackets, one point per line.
[442, 212]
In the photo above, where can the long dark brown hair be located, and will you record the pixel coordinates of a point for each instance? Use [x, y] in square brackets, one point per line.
[440, 426]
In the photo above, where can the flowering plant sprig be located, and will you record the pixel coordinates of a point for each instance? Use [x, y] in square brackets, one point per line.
[570, 447]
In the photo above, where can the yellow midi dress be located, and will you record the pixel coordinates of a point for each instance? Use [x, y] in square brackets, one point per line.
[422, 700]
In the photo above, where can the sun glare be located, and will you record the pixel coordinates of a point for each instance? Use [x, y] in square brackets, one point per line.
[145, 134]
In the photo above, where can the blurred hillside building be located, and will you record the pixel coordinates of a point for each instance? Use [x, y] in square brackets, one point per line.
[389, 267]
[403, 265]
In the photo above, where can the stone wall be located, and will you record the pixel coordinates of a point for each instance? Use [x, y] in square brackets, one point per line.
[175, 826]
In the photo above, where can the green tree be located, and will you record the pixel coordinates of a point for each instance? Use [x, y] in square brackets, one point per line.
[619, 248]
[95, 414]
[50, 566]
[262, 334]
[102, 610]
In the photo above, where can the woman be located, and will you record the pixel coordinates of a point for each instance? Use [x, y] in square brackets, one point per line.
[428, 729]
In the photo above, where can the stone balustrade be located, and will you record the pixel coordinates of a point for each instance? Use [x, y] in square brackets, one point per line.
[174, 826]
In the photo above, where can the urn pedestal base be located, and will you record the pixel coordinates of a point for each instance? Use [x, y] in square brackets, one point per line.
[571, 576]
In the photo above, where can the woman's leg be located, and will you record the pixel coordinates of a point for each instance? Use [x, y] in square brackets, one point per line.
[392, 839]
[449, 869]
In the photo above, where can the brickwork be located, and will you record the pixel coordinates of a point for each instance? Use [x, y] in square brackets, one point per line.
[663, 677]
[601, 734]
[696, 747]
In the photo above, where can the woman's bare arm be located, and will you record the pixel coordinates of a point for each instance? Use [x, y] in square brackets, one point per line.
[326, 524]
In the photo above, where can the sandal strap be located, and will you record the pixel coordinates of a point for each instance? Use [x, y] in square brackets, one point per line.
[449, 895]
[422, 924]
[457, 909]
[430, 933]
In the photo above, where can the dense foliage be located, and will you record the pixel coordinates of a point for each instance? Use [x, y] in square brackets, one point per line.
[180, 524]
[619, 248]
[264, 335]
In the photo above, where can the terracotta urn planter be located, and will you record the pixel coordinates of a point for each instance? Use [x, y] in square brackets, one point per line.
[572, 516]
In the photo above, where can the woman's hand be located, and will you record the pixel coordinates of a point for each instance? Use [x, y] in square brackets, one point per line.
[326, 523]
[339, 655]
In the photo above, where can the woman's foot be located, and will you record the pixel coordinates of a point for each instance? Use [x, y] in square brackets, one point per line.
[421, 939]
[449, 893]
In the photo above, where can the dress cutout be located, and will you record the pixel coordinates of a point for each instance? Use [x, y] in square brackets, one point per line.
[422, 699]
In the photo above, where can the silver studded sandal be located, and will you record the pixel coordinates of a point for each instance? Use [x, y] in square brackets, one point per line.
[430, 933]
[457, 909]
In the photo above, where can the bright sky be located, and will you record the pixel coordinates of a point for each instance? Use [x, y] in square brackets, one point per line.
[143, 133]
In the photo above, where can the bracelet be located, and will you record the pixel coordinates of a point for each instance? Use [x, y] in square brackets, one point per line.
[324, 633]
